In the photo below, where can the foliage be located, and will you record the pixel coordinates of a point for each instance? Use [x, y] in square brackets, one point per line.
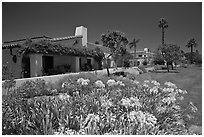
[193, 57]
[191, 43]
[144, 62]
[117, 42]
[100, 56]
[9, 82]
[158, 59]
[100, 106]
[170, 53]
[47, 47]
[163, 24]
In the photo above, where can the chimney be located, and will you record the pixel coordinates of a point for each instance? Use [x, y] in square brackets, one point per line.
[82, 31]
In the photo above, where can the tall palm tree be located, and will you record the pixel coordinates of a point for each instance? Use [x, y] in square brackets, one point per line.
[192, 43]
[133, 44]
[163, 24]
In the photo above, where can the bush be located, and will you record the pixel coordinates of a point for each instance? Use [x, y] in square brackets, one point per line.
[126, 63]
[143, 70]
[144, 62]
[91, 105]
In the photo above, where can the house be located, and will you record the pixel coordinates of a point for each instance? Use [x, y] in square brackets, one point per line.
[141, 56]
[47, 56]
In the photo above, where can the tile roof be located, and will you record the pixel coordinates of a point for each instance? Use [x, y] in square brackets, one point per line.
[52, 48]
[10, 46]
[37, 37]
[65, 38]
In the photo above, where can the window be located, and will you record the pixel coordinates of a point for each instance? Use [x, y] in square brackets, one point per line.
[48, 63]
[139, 55]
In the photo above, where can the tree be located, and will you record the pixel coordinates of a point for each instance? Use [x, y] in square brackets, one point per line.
[163, 24]
[191, 43]
[158, 58]
[170, 53]
[100, 56]
[116, 41]
[133, 44]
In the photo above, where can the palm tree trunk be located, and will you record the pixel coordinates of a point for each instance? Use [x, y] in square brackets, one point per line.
[134, 55]
[162, 36]
[191, 54]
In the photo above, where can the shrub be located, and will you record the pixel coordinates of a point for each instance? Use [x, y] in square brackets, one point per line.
[144, 62]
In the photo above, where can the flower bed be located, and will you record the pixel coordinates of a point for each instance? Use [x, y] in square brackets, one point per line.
[96, 105]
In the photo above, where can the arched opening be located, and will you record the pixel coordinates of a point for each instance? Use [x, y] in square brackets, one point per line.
[138, 63]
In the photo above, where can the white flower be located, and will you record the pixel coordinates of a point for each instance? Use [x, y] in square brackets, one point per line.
[99, 84]
[166, 90]
[135, 102]
[132, 115]
[120, 83]
[83, 82]
[111, 82]
[63, 97]
[181, 98]
[126, 102]
[177, 107]
[181, 91]
[146, 81]
[145, 85]
[154, 90]
[54, 91]
[169, 84]
[193, 107]
[65, 84]
[136, 82]
[106, 103]
[141, 117]
[169, 100]
[150, 119]
[155, 83]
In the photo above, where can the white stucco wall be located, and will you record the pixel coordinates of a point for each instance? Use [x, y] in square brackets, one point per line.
[77, 66]
[14, 68]
[35, 65]
[82, 31]
[70, 42]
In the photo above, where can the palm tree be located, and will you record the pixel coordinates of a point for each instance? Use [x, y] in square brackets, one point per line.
[163, 24]
[192, 43]
[133, 44]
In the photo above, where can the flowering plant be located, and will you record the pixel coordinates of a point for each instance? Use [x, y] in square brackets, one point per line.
[87, 106]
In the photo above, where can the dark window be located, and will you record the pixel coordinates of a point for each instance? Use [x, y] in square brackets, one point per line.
[48, 63]
[89, 61]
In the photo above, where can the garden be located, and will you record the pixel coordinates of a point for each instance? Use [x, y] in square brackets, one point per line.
[91, 104]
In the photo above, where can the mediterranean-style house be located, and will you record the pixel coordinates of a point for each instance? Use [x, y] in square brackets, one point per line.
[61, 56]
[141, 56]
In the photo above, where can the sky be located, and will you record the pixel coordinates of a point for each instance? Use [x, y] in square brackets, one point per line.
[135, 19]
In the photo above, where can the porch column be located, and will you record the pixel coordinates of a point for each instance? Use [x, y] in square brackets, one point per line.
[35, 65]
[77, 66]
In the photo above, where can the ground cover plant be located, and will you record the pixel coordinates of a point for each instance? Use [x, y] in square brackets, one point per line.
[87, 104]
[189, 79]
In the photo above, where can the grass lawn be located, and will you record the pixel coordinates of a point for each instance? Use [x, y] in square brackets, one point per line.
[189, 79]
